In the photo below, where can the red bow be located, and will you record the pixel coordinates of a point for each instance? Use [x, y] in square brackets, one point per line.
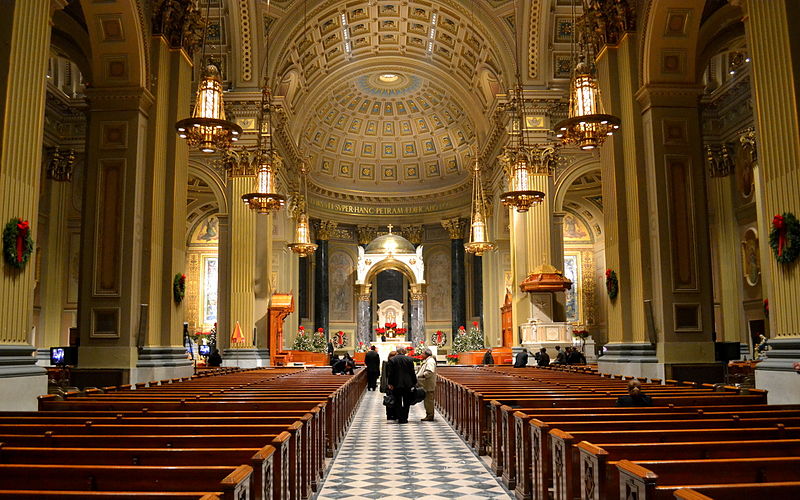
[780, 225]
[24, 227]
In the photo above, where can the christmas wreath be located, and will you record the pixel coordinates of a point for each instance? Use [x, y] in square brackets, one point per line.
[17, 243]
[612, 284]
[339, 339]
[784, 237]
[179, 287]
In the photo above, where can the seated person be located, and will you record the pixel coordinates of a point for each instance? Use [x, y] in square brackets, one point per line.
[522, 359]
[561, 356]
[635, 396]
[339, 367]
[488, 359]
[214, 359]
[544, 358]
[576, 357]
[350, 364]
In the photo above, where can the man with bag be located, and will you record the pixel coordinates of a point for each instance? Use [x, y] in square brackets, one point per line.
[426, 378]
[402, 380]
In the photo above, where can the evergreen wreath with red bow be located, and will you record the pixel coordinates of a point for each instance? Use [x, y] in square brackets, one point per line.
[179, 288]
[17, 243]
[612, 284]
[784, 237]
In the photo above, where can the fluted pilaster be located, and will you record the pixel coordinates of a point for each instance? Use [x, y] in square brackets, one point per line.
[243, 261]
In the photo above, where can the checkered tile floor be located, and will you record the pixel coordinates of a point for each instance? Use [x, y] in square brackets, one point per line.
[422, 460]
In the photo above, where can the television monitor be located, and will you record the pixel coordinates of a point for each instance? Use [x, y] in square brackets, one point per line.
[64, 356]
[204, 350]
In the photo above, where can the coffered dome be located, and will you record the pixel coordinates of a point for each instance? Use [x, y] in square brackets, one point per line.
[385, 127]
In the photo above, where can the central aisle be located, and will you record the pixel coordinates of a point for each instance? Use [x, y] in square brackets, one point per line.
[423, 460]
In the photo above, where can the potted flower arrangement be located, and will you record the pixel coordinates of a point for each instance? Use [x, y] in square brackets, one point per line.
[469, 344]
[452, 359]
[310, 347]
[361, 346]
[582, 334]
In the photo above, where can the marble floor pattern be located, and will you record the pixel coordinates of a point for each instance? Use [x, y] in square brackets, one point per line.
[422, 460]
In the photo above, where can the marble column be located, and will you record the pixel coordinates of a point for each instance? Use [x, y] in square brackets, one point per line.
[771, 29]
[321, 300]
[25, 34]
[162, 353]
[625, 211]
[364, 319]
[455, 228]
[241, 252]
[418, 314]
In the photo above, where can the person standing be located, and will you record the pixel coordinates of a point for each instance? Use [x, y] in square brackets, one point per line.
[384, 387]
[373, 363]
[402, 380]
[426, 376]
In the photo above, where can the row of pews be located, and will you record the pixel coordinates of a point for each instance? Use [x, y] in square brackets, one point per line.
[259, 434]
[557, 432]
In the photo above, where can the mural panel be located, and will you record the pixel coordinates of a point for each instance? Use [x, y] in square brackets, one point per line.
[437, 270]
[340, 287]
[572, 270]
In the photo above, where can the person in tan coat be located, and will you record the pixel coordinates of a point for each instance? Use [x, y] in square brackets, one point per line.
[426, 377]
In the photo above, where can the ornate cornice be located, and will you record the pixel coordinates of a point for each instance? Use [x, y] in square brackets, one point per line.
[455, 227]
[412, 232]
[325, 229]
[179, 22]
[366, 234]
[605, 22]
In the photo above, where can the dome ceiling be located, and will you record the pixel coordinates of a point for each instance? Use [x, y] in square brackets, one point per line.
[389, 96]
[382, 128]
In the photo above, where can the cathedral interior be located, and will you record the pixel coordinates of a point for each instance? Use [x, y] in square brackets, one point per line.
[367, 139]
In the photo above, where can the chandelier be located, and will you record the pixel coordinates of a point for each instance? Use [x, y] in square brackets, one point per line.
[60, 164]
[302, 244]
[267, 162]
[478, 239]
[207, 128]
[587, 126]
[522, 161]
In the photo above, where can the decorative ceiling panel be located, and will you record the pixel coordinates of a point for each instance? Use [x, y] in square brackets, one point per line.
[387, 128]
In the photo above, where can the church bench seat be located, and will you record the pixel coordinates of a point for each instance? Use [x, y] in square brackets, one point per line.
[786, 490]
[593, 471]
[107, 495]
[261, 460]
[770, 477]
[232, 482]
[544, 440]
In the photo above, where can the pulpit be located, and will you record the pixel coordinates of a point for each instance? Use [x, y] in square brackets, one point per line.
[281, 305]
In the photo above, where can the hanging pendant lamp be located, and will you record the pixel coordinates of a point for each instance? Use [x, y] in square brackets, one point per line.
[208, 129]
[302, 244]
[478, 236]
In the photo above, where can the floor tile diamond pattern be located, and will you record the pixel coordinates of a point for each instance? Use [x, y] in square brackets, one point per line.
[422, 460]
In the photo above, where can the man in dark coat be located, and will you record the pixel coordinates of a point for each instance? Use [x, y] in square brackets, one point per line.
[522, 359]
[544, 358]
[373, 363]
[402, 379]
[488, 359]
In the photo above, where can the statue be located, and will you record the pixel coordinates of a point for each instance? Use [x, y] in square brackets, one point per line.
[761, 347]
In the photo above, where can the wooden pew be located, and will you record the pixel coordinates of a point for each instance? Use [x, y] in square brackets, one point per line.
[232, 482]
[648, 480]
[599, 480]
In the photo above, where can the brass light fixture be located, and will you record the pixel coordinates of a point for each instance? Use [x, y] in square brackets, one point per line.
[207, 128]
[265, 199]
[302, 245]
[587, 126]
[478, 239]
[520, 159]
